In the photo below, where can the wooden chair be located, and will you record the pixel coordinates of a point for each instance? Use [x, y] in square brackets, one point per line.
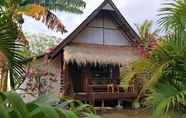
[131, 86]
[113, 87]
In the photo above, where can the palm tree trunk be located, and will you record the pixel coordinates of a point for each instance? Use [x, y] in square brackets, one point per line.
[3, 73]
[3, 79]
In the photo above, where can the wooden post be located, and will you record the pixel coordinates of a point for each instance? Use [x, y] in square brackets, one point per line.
[115, 74]
[115, 77]
[61, 94]
[67, 83]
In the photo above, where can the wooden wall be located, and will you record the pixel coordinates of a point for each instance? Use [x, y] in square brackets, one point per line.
[103, 30]
[53, 83]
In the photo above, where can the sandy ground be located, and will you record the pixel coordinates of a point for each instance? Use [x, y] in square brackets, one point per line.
[134, 114]
[125, 114]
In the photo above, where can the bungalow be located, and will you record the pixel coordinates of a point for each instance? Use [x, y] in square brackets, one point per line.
[91, 58]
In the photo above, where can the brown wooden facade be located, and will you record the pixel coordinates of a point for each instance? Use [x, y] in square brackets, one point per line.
[93, 56]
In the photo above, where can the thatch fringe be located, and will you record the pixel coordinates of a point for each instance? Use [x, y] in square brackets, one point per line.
[96, 54]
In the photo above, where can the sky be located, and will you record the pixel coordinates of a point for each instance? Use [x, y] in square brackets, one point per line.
[135, 12]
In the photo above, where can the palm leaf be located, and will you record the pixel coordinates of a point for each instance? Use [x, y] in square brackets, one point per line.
[12, 106]
[172, 15]
[40, 13]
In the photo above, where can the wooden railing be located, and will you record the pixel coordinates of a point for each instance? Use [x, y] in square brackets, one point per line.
[111, 88]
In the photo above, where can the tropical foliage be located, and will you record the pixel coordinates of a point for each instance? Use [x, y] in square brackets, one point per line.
[147, 36]
[145, 31]
[12, 106]
[11, 20]
[165, 76]
[172, 15]
[165, 67]
[40, 10]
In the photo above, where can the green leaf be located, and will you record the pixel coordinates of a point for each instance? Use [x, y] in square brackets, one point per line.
[18, 105]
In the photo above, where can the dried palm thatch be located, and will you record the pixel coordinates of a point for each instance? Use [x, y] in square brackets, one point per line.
[40, 13]
[83, 54]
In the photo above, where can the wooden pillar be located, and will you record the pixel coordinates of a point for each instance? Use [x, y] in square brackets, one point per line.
[116, 74]
[67, 82]
[116, 79]
[86, 72]
[87, 88]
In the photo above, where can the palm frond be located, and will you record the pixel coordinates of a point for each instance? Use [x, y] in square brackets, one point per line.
[40, 13]
[145, 31]
[172, 15]
[11, 50]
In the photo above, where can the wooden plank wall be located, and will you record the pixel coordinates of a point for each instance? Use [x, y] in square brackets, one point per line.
[103, 30]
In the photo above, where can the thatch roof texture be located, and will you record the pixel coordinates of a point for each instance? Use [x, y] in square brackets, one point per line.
[82, 54]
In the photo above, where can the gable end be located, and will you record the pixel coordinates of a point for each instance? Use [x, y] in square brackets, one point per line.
[107, 5]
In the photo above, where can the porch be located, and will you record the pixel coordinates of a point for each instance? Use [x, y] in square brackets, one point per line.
[93, 83]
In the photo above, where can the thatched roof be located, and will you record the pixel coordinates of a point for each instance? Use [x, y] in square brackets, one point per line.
[124, 25]
[82, 54]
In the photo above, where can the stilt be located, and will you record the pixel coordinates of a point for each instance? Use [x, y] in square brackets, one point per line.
[91, 99]
[119, 105]
[102, 103]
